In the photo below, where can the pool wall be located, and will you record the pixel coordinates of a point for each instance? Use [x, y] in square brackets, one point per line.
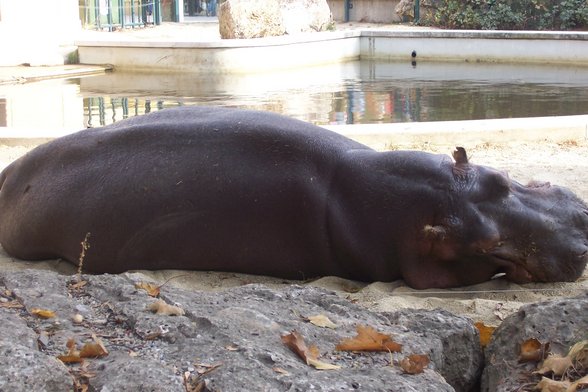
[276, 53]
[467, 133]
[398, 135]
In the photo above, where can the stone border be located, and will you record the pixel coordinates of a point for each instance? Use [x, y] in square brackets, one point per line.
[274, 53]
[384, 136]
[477, 46]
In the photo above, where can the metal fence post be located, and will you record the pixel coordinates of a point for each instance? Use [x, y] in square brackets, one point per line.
[348, 6]
[157, 12]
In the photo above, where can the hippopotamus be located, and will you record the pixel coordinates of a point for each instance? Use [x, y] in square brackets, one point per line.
[204, 188]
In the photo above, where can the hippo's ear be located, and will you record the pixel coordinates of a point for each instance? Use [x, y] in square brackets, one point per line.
[461, 162]
[460, 156]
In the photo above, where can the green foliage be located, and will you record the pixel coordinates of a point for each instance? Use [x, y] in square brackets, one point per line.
[510, 14]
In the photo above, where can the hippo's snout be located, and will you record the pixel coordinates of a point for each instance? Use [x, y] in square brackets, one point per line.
[546, 231]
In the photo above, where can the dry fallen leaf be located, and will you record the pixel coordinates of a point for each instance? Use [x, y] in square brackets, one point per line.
[368, 339]
[205, 368]
[160, 307]
[549, 385]
[581, 383]
[414, 363]
[79, 386]
[295, 342]
[153, 335]
[72, 355]
[92, 350]
[485, 333]
[322, 321]
[322, 365]
[14, 304]
[193, 383]
[43, 313]
[70, 358]
[70, 344]
[78, 285]
[281, 371]
[95, 349]
[532, 350]
[579, 353]
[555, 364]
[151, 289]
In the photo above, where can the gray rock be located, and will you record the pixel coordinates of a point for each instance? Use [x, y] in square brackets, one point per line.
[300, 16]
[231, 340]
[14, 329]
[250, 19]
[458, 342]
[26, 369]
[117, 373]
[259, 18]
[22, 366]
[561, 322]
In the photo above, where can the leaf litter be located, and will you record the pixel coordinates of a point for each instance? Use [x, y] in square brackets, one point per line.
[295, 342]
[568, 373]
[368, 339]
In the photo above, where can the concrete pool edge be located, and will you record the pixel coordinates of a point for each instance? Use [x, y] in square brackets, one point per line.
[183, 54]
[385, 136]
[26, 74]
[468, 132]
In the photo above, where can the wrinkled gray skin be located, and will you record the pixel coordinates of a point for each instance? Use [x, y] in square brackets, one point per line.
[244, 191]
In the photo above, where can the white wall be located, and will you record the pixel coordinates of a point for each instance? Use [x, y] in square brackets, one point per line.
[37, 32]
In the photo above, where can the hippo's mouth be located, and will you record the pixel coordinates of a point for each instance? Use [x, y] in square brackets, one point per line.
[512, 267]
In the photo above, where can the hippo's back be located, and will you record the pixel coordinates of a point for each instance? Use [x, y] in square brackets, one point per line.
[171, 187]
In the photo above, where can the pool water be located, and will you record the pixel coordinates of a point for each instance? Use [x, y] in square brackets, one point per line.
[358, 92]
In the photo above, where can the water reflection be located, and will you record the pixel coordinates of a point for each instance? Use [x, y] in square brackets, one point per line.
[350, 93]
[356, 92]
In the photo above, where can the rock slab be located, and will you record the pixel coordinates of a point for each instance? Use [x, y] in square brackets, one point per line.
[562, 323]
[262, 18]
[228, 340]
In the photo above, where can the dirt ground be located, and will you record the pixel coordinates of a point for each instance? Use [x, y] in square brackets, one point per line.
[559, 163]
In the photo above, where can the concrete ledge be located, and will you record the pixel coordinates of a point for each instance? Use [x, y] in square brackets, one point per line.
[230, 57]
[185, 54]
[477, 46]
[189, 42]
[275, 53]
[478, 34]
[454, 133]
[386, 136]
[22, 74]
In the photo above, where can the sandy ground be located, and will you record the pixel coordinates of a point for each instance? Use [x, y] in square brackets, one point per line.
[560, 163]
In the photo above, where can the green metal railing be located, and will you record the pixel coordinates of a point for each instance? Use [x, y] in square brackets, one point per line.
[113, 14]
[100, 111]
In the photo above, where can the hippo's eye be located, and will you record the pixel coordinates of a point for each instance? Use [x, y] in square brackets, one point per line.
[495, 184]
